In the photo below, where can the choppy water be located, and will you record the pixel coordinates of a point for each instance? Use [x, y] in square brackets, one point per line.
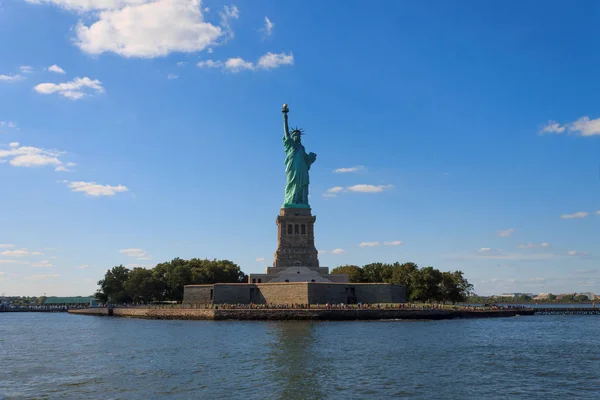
[61, 356]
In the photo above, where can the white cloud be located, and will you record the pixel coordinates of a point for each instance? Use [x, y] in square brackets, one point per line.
[148, 29]
[75, 89]
[506, 233]
[370, 244]
[376, 244]
[536, 279]
[228, 14]
[393, 243]
[577, 253]
[332, 192]
[6, 246]
[182, 63]
[42, 264]
[260, 259]
[84, 266]
[533, 245]
[338, 251]
[368, 188]
[88, 5]
[580, 214]
[139, 254]
[350, 169]
[42, 276]
[15, 253]
[237, 64]
[28, 156]
[55, 68]
[268, 28]
[95, 189]
[146, 266]
[25, 69]
[7, 125]
[11, 78]
[322, 251]
[499, 255]
[485, 249]
[583, 126]
[172, 76]
[272, 60]
[14, 262]
[209, 64]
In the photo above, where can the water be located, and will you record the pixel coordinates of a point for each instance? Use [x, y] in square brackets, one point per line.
[61, 356]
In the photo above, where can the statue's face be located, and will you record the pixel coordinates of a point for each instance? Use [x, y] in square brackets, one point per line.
[296, 137]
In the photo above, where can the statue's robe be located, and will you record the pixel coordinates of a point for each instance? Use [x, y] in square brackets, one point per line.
[297, 165]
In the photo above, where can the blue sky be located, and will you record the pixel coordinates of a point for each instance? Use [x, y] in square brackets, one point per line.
[136, 131]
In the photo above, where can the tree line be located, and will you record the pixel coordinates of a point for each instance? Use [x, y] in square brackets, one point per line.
[165, 281]
[426, 284]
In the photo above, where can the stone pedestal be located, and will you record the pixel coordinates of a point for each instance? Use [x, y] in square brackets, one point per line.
[296, 258]
[296, 239]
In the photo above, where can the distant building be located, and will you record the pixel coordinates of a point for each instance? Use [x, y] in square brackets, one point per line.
[71, 301]
[589, 295]
[515, 295]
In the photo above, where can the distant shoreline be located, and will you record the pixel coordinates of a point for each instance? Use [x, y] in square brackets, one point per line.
[295, 314]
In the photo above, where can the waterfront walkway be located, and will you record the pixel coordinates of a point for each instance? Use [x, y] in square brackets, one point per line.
[566, 311]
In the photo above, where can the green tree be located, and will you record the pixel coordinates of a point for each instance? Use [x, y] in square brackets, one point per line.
[455, 287]
[403, 274]
[143, 287]
[567, 298]
[426, 285]
[174, 275]
[376, 272]
[523, 298]
[112, 287]
[354, 272]
[581, 297]
[178, 272]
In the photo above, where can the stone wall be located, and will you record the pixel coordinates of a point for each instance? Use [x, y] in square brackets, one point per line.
[398, 294]
[198, 294]
[283, 293]
[293, 293]
[234, 293]
[373, 292]
[164, 313]
[327, 293]
[100, 311]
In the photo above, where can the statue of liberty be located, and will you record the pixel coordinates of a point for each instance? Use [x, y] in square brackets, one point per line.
[297, 165]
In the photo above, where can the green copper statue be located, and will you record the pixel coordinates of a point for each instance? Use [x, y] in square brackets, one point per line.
[297, 164]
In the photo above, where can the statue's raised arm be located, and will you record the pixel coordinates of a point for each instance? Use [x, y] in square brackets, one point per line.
[286, 130]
